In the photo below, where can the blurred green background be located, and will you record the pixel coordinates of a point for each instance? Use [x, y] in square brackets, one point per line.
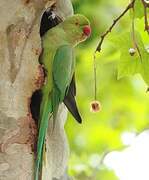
[125, 103]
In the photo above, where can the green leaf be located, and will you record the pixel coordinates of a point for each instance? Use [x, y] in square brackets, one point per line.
[132, 64]
[138, 9]
[128, 66]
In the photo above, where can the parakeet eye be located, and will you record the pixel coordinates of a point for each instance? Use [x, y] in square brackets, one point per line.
[87, 30]
[77, 23]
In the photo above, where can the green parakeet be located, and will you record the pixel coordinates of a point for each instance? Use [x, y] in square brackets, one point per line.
[59, 63]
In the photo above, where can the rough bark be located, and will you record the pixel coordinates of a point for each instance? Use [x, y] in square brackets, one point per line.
[21, 74]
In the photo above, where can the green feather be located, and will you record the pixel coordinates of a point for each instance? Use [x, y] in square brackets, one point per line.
[62, 71]
[63, 68]
[47, 109]
[59, 63]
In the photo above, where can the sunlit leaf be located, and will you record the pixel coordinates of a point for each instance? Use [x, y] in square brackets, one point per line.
[139, 9]
[130, 64]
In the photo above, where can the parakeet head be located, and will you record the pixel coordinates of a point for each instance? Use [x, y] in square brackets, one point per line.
[77, 28]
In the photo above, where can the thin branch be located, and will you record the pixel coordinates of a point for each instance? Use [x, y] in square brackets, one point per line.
[130, 5]
[145, 15]
[95, 78]
[133, 34]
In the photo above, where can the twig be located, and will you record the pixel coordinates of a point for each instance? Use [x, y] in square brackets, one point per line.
[133, 35]
[95, 78]
[130, 5]
[145, 15]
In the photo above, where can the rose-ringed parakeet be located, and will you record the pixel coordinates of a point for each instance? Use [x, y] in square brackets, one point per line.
[59, 64]
[48, 21]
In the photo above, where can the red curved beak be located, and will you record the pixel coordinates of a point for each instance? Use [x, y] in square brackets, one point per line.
[87, 30]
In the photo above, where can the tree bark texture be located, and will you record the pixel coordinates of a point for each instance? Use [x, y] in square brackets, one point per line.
[20, 75]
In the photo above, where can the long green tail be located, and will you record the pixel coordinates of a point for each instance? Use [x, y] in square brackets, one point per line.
[46, 109]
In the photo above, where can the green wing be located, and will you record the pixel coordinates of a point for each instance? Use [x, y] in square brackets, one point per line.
[63, 69]
[62, 72]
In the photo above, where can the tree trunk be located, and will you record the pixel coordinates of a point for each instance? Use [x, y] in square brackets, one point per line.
[21, 74]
